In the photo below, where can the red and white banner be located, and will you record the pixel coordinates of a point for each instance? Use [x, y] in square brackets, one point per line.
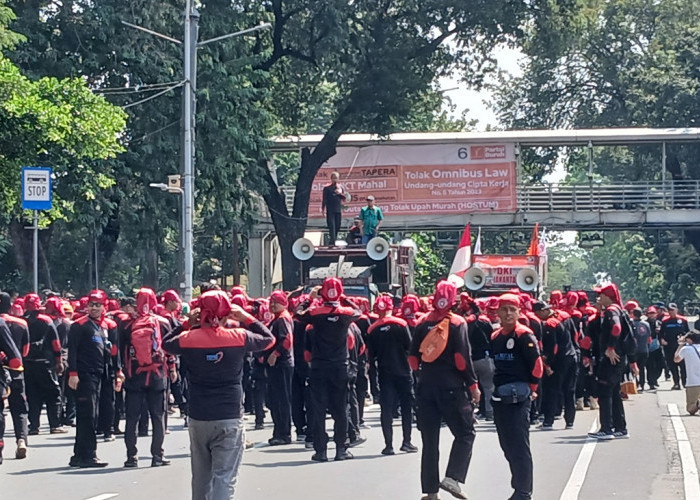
[431, 179]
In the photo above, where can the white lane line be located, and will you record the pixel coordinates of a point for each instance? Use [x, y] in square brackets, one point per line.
[691, 485]
[104, 496]
[578, 473]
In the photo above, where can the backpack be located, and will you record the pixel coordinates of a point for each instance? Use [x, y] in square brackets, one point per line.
[628, 339]
[434, 343]
[146, 345]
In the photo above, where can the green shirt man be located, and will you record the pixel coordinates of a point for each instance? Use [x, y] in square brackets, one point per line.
[370, 218]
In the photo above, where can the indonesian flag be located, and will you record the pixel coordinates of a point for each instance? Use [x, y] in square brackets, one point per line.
[477, 245]
[463, 257]
[534, 248]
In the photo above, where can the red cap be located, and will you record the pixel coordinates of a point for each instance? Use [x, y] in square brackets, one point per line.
[331, 289]
[32, 302]
[555, 297]
[509, 299]
[214, 306]
[652, 309]
[97, 296]
[279, 297]
[264, 313]
[571, 299]
[169, 295]
[631, 305]
[237, 290]
[383, 303]
[240, 300]
[410, 305]
[610, 291]
[145, 301]
[54, 307]
[444, 296]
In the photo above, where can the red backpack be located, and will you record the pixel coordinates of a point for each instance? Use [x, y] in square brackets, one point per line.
[146, 346]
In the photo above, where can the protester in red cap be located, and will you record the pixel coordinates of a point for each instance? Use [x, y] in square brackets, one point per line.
[446, 390]
[480, 330]
[610, 365]
[656, 361]
[214, 355]
[43, 366]
[147, 368]
[17, 400]
[327, 352]
[53, 307]
[672, 328]
[13, 362]
[89, 364]
[388, 341]
[519, 369]
[280, 360]
[17, 308]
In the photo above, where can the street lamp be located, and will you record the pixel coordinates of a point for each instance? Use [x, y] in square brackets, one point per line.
[173, 187]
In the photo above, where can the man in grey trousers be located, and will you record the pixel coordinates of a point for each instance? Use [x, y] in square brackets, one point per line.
[214, 357]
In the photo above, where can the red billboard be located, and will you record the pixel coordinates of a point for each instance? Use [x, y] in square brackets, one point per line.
[424, 179]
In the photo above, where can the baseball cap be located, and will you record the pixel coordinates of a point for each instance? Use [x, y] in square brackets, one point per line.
[370, 198]
[609, 291]
[540, 305]
[672, 305]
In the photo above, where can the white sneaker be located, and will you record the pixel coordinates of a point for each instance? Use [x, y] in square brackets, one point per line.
[452, 486]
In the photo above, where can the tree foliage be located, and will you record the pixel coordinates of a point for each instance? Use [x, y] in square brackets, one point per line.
[614, 63]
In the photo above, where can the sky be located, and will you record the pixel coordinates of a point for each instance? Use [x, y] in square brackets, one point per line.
[463, 97]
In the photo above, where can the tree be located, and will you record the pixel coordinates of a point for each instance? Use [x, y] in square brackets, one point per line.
[612, 63]
[338, 67]
[430, 263]
[50, 122]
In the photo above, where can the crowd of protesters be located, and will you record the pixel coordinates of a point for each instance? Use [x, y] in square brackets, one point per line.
[96, 362]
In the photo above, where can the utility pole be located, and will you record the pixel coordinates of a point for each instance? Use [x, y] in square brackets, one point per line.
[189, 107]
[190, 48]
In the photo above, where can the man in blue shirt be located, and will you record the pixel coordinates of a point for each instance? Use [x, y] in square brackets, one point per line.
[370, 218]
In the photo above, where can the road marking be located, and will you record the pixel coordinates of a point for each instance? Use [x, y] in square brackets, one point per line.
[578, 473]
[104, 496]
[691, 485]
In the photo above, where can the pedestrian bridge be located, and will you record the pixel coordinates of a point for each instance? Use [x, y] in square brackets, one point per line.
[591, 205]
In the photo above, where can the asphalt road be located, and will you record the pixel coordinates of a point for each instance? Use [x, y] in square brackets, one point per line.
[568, 465]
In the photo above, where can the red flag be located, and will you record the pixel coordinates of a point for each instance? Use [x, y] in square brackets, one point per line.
[463, 257]
[534, 248]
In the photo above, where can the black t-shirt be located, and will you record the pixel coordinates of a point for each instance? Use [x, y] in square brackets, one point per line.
[332, 201]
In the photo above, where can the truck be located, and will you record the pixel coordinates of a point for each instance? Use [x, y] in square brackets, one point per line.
[497, 273]
[365, 271]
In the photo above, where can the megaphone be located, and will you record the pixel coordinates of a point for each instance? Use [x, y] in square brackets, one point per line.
[475, 279]
[377, 248]
[303, 249]
[527, 279]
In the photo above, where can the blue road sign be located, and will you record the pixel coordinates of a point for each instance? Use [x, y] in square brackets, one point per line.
[37, 188]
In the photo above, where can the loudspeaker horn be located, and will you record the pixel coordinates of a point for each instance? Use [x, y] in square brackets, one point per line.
[527, 279]
[303, 249]
[377, 248]
[475, 279]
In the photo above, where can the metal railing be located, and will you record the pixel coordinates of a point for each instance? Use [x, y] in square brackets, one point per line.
[632, 196]
[596, 197]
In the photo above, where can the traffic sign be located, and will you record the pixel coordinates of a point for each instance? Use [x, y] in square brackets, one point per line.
[37, 188]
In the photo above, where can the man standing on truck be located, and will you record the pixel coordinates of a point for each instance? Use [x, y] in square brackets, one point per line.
[370, 218]
[334, 195]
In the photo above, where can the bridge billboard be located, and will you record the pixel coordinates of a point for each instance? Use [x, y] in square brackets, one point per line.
[434, 179]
